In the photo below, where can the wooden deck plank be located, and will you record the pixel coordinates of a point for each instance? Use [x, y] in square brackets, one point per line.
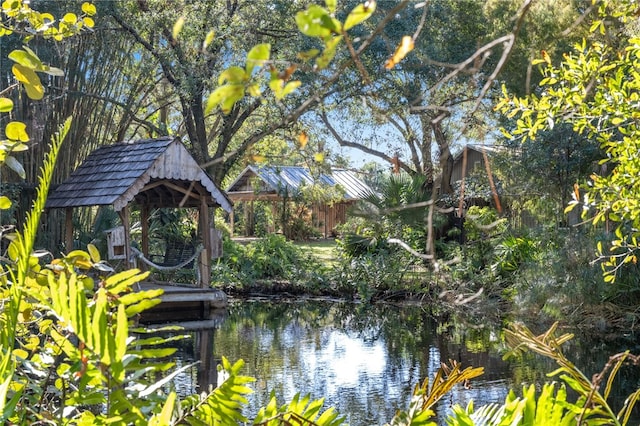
[215, 298]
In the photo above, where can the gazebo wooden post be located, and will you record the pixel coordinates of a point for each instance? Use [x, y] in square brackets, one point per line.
[68, 229]
[274, 215]
[144, 219]
[125, 219]
[205, 257]
[231, 223]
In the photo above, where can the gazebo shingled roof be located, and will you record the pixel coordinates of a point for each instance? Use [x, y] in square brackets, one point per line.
[155, 172]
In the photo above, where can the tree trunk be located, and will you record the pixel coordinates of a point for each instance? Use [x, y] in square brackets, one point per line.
[446, 160]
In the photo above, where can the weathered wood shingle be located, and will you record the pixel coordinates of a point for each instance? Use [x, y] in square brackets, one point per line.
[117, 174]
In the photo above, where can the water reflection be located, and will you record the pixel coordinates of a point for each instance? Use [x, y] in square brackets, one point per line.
[365, 361]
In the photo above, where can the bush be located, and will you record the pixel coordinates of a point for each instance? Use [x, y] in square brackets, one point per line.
[270, 258]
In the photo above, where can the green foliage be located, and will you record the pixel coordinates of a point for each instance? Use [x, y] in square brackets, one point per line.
[316, 21]
[549, 407]
[425, 396]
[370, 268]
[297, 411]
[173, 225]
[483, 223]
[18, 17]
[68, 352]
[270, 258]
[591, 406]
[591, 91]
[512, 252]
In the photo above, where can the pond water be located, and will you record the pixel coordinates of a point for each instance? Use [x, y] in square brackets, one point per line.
[365, 361]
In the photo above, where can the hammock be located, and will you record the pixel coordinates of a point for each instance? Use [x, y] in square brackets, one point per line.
[138, 254]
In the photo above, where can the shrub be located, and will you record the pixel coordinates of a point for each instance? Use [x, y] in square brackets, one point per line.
[270, 258]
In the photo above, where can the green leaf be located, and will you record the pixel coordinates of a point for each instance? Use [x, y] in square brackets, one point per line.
[26, 58]
[6, 105]
[164, 418]
[225, 97]
[312, 22]
[257, 56]
[308, 54]
[99, 330]
[331, 5]
[124, 283]
[360, 13]
[329, 52]
[141, 306]
[233, 75]
[56, 72]
[158, 385]
[235, 94]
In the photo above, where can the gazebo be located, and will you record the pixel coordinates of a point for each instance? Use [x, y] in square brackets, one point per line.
[152, 173]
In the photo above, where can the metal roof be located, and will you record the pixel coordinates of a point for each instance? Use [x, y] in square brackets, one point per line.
[277, 179]
[158, 172]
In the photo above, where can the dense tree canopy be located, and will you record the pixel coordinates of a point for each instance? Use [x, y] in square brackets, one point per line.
[595, 90]
[440, 94]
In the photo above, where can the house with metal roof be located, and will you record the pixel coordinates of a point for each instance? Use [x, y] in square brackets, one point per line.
[150, 173]
[277, 184]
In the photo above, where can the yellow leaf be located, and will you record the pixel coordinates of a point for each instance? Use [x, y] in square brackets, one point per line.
[88, 22]
[32, 342]
[319, 157]
[308, 54]
[359, 14]
[405, 46]
[70, 18]
[177, 27]
[94, 253]
[20, 354]
[5, 202]
[164, 418]
[303, 139]
[546, 57]
[258, 158]
[89, 8]
[290, 87]
[208, 39]
[16, 131]
[254, 90]
[6, 105]
[13, 251]
[79, 253]
[30, 81]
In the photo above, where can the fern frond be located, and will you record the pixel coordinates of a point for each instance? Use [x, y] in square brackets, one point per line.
[223, 405]
[298, 412]
[446, 378]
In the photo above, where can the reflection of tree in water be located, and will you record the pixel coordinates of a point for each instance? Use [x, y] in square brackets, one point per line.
[300, 346]
[295, 344]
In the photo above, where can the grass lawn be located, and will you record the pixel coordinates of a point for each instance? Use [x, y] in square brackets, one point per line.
[323, 250]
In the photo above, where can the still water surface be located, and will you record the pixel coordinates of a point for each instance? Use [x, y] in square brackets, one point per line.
[365, 361]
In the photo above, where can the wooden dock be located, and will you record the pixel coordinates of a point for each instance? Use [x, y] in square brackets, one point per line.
[181, 303]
